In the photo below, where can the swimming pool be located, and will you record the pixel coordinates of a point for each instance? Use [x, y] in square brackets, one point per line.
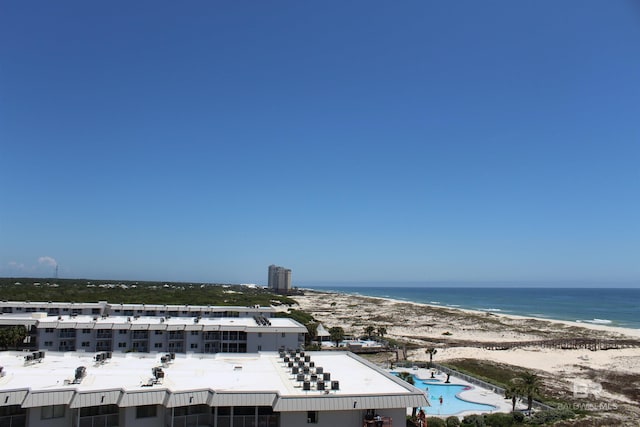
[450, 404]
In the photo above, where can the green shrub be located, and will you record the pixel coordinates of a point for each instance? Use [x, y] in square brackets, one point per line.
[453, 421]
[518, 417]
[435, 422]
[473, 420]
[550, 416]
[499, 419]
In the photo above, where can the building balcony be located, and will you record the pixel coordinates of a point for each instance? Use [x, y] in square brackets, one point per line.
[112, 420]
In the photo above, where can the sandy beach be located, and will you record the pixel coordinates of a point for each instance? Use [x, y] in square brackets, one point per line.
[460, 334]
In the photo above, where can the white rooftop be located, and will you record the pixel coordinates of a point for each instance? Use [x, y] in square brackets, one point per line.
[153, 322]
[211, 377]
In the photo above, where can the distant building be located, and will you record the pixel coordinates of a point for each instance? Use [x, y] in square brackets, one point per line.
[279, 279]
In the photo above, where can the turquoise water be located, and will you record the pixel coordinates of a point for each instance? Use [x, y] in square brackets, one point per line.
[451, 403]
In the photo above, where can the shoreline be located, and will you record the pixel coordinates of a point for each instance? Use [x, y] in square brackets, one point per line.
[533, 301]
[632, 333]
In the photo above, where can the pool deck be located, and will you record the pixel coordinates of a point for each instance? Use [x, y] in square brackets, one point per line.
[474, 394]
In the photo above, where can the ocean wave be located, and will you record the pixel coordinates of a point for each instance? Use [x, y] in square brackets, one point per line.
[598, 321]
[490, 309]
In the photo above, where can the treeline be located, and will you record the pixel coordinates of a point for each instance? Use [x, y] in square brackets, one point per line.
[136, 292]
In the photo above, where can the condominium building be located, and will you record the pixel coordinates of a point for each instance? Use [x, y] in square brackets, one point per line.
[166, 334]
[270, 389]
[279, 279]
[104, 308]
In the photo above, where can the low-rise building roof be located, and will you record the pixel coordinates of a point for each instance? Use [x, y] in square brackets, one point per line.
[222, 379]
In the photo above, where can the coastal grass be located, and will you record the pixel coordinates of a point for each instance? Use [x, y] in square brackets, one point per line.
[494, 373]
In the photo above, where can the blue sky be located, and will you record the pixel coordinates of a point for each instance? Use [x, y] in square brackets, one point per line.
[349, 141]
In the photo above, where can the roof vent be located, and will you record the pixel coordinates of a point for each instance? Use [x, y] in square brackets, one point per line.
[81, 372]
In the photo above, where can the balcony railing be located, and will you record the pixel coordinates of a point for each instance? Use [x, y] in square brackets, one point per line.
[248, 421]
[195, 420]
[67, 333]
[14, 421]
[138, 335]
[112, 420]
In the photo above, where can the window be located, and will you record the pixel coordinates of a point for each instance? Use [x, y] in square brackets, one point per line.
[48, 343]
[157, 345]
[146, 411]
[85, 344]
[312, 417]
[259, 348]
[194, 333]
[122, 344]
[158, 332]
[52, 411]
[86, 331]
[259, 334]
[283, 335]
[48, 330]
[92, 411]
[122, 331]
[194, 345]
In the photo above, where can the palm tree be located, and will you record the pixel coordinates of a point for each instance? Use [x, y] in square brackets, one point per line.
[368, 331]
[337, 334]
[312, 329]
[407, 376]
[512, 392]
[528, 384]
[431, 352]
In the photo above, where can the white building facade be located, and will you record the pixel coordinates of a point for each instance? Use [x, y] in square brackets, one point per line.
[158, 334]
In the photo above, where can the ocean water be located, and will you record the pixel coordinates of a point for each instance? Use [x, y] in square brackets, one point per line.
[613, 307]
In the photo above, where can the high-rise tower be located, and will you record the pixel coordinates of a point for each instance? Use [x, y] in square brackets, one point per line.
[279, 279]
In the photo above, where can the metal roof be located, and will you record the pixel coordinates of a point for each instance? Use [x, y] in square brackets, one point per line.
[186, 398]
[46, 398]
[330, 402]
[12, 397]
[95, 398]
[243, 399]
[143, 397]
